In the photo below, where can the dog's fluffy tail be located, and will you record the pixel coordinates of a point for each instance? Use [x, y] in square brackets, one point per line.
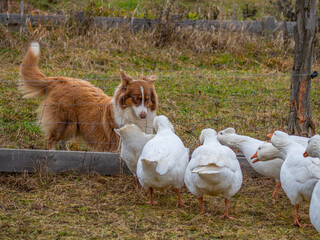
[33, 82]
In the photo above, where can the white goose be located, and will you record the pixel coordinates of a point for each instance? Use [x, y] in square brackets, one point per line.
[313, 150]
[163, 160]
[313, 147]
[294, 174]
[249, 146]
[314, 209]
[213, 170]
[267, 151]
[133, 140]
[301, 140]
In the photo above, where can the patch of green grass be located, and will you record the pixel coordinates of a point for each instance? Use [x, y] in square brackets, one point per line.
[126, 4]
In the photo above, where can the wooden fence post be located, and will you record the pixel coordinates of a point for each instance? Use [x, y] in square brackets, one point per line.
[234, 14]
[300, 121]
[21, 7]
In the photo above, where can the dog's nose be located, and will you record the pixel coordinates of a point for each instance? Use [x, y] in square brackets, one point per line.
[143, 115]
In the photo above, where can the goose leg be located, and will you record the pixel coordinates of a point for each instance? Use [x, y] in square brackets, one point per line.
[226, 214]
[296, 220]
[201, 204]
[180, 203]
[138, 183]
[151, 198]
[275, 193]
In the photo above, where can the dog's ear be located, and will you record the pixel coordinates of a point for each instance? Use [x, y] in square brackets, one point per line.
[152, 78]
[125, 79]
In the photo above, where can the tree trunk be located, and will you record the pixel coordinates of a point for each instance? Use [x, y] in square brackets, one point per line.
[300, 120]
[4, 4]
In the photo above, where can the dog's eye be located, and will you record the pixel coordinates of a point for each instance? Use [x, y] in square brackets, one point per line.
[147, 99]
[137, 99]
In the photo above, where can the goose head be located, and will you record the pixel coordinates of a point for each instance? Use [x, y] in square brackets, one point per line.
[280, 140]
[313, 148]
[207, 134]
[162, 122]
[229, 137]
[127, 130]
[267, 152]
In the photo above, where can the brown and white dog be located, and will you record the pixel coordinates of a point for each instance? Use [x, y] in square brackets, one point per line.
[75, 108]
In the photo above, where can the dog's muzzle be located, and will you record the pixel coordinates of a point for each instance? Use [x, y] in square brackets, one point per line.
[143, 115]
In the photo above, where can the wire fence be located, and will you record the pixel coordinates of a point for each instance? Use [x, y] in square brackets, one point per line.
[241, 10]
[196, 89]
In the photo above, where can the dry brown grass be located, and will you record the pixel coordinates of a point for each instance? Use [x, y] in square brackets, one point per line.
[78, 206]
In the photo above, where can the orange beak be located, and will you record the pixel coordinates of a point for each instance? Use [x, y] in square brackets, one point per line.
[270, 135]
[254, 156]
[256, 160]
[306, 154]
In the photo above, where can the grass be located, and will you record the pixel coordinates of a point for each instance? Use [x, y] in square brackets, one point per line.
[205, 79]
[77, 206]
[187, 9]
